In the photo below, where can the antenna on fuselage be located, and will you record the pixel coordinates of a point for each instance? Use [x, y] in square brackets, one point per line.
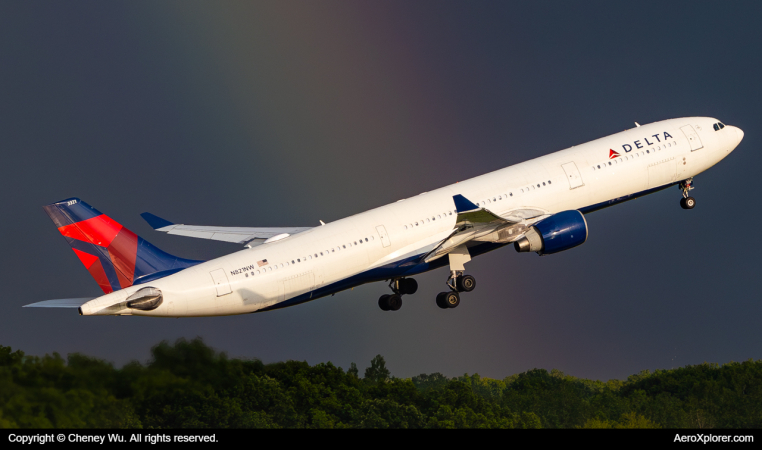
[637, 124]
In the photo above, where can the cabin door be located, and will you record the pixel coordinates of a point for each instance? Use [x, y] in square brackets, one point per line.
[220, 282]
[693, 137]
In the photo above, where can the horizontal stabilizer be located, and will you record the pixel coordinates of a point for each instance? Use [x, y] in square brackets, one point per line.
[238, 235]
[61, 303]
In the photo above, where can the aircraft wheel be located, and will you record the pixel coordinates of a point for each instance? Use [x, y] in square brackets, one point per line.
[466, 283]
[441, 300]
[688, 203]
[383, 302]
[395, 302]
[408, 286]
[452, 299]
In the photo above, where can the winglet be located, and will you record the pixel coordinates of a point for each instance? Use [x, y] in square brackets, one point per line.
[462, 204]
[156, 222]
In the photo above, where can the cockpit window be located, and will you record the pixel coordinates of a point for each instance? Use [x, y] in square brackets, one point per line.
[718, 126]
[721, 125]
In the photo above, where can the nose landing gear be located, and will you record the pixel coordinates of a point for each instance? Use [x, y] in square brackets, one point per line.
[687, 202]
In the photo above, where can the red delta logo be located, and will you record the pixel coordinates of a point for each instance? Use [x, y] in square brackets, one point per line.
[613, 154]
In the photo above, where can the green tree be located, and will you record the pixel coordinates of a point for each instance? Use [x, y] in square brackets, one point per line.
[377, 372]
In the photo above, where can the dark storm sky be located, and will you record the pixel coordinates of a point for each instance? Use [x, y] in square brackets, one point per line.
[285, 113]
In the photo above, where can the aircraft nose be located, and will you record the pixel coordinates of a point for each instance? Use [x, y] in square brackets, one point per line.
[739, 134]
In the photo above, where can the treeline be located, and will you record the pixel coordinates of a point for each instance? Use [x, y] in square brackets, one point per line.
[188, 384]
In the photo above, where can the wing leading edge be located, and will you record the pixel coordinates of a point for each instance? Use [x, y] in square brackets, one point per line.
[238, 235]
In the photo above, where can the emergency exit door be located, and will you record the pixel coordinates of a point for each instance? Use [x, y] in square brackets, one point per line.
[572, 175]
[383, 235]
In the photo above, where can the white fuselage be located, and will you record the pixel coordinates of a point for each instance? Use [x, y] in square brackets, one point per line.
[388, 242]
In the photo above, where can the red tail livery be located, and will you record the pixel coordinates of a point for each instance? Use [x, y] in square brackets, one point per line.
[115, 256]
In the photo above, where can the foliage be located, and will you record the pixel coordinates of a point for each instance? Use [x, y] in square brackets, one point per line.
[189, 385]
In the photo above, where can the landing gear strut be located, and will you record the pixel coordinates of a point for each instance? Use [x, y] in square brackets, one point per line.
[457, 282]
[400, 287]
[687, 202]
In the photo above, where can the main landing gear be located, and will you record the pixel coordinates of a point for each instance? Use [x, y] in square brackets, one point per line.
[457, 283]
[687, 202]
[400, 287]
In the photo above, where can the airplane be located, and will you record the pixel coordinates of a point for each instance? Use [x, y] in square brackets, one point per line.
[538, 206]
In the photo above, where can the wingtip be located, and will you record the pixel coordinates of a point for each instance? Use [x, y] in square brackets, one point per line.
[154, 221]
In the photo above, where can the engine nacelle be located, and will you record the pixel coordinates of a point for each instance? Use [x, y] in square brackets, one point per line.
[146, 299]
[557, 233]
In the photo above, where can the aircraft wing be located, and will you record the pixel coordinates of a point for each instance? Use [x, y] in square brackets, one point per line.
[480, 224]
[238, 235]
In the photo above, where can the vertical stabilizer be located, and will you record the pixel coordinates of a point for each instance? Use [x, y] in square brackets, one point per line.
[115, 256]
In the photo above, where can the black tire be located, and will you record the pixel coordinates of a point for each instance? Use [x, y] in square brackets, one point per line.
[452, 299]
[408, 286]
[441, 301]
[395, 302]
[466, 283]
[682, 203]
[690, 203]
[383, 302]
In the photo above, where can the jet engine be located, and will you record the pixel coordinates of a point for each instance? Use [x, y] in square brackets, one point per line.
[146, 299]
[557, 233]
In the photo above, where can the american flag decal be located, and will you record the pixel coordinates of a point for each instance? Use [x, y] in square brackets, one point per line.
[262, 263]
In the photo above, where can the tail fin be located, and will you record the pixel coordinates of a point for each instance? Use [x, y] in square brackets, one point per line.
[115, 256]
